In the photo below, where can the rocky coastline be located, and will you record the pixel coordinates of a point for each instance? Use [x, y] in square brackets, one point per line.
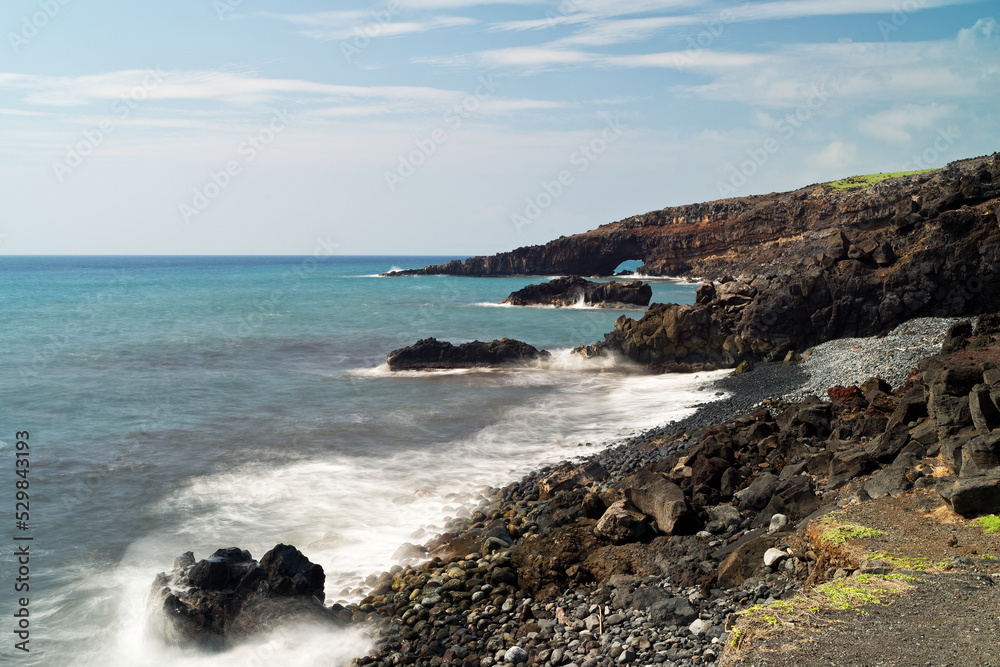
[858, 388]
[653, 550]
[790, 270]
[573, 290]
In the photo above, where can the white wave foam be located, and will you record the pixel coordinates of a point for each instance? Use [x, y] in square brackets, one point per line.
[351, 513]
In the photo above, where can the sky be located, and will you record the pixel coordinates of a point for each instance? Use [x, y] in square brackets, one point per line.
[459, 127]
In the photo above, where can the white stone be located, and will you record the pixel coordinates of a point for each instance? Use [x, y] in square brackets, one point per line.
[515, 654]
[772, 556]
[778, 521]
[699, 626]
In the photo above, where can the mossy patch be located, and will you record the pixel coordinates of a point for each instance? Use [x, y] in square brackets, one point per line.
[812, 608]
[867, 180]
[837, 532]
[857, 592]
[911, 563]
[990, 523]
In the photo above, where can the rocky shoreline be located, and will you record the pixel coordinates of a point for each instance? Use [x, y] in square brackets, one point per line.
[600, 561]
[543, 584]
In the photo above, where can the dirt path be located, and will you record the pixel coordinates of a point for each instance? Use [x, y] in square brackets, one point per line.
[948, 614]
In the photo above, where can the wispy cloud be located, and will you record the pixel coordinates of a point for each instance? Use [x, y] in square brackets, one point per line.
[544, 58]
[598, 25]
[339, 25]
[232, 87]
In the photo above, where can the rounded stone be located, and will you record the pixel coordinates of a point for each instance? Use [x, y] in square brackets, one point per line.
[515, 655]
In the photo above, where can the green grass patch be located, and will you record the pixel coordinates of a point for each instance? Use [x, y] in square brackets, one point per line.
[838, 533]
[913, 564]
[811, 608]
[858, 182]
[990, 523]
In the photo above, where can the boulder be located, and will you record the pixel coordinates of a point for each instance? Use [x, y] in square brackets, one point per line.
[746, 558]
[705, 293]
[912, 407]
[980, 454]
[215, 601]
[885, 447]
[593, 506]
[569, 477]
[432, 353]
[673, 611]
[841, 395]
[971, 496]
[891, 481]
[848, 464]
[983, 410]
[757, 495]
[837, 246]
[988, 324]
[572, 290]
[655, 495]
[622, 524]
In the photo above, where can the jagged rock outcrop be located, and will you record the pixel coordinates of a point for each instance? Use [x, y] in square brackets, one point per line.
[815, 264]
[229, 595]
[573, 290]
[433, 353]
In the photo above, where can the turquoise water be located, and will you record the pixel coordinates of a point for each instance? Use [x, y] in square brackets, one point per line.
[191, 403]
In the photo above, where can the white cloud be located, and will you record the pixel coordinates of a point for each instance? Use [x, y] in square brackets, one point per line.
[894, 124]
[905, 72]
[340, 25]
[606, 32]
[548, 57]
[233, 87]
[984, 30]
[837, 155]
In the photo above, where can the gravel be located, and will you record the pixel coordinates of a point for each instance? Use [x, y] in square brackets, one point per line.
[851, 361]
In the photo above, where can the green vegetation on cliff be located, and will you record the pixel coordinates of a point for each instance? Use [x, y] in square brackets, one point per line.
[857, 182]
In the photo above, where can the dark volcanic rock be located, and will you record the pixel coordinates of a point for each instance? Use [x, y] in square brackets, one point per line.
[432, 353]
[569, 476]
[622, 523]
[571, 290]
[229, 595]
[923, 245]
[973, 495]
[743, 234]
[656, 496]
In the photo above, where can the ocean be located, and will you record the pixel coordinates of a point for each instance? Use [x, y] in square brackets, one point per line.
[194, 403]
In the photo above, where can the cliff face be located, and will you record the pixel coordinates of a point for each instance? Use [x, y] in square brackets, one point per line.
[750, 234]
[942, 259]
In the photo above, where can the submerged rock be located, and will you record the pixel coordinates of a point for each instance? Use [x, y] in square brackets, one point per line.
[572, 290]
[433, 353]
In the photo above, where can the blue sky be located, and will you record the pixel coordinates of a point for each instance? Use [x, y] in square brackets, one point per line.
[459, 126]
